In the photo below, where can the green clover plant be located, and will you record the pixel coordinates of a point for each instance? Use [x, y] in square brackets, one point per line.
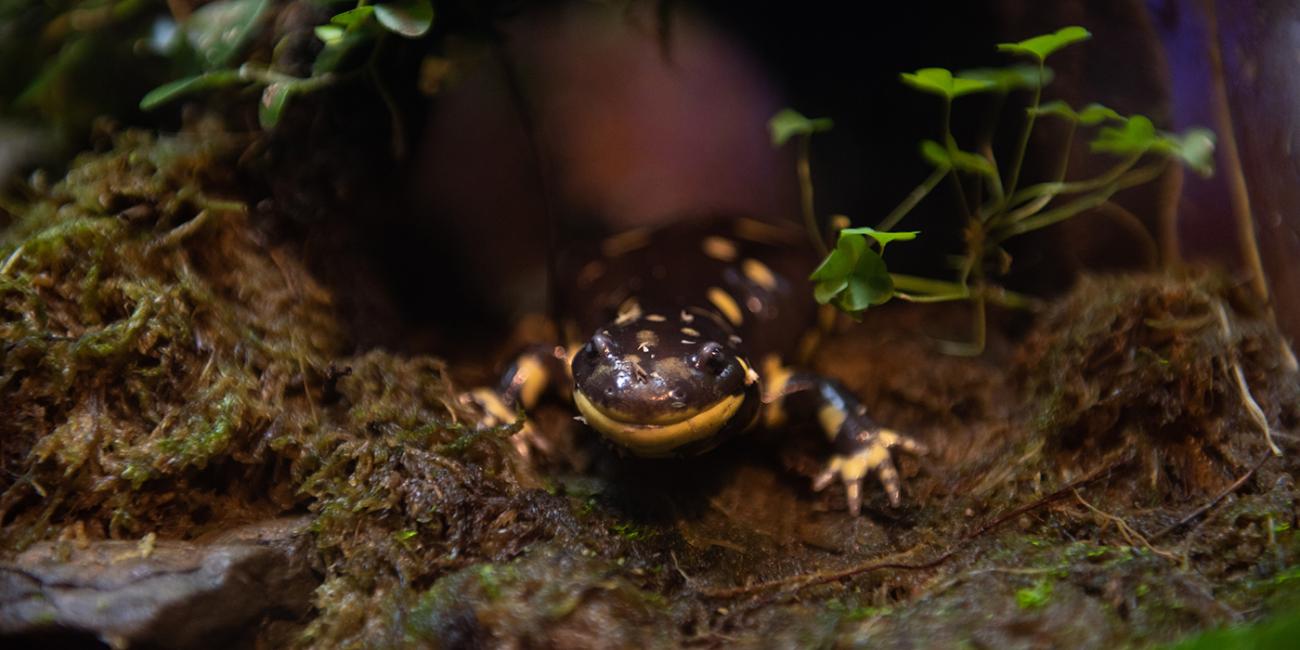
[218, 33]
[853, 277]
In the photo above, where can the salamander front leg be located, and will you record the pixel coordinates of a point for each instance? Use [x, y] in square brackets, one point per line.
[860, 445]
[533, 372]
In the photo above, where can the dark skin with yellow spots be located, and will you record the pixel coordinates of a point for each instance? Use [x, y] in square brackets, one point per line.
[681, 341]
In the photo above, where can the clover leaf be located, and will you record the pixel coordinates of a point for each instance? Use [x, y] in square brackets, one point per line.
[1091, 115]
[1137, 135]
[169, 91]
[882, 237]
[1012, 77]
[410, 18]
[274, 98]
[1094, 114]
[944, 157]
[853, 277]
[1040, 47]
[219, 30]
[1195, 148]
[940, 81]
[788, 123]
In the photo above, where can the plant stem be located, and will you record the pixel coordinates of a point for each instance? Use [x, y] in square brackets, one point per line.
[1023, 146]
[950, 143]
[934, 290]
[398, 130]
[804, 166]
[912, 199]
[918, 289]
[1077, 187]
[1065, 153]
[1062, 213]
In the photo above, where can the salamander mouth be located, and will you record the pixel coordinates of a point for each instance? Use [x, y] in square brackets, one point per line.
[665, 433]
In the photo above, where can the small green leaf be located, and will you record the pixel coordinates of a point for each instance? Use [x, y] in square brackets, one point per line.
[836, 265]
[1040, 47]
[939, 81]
[410, 18]
[788, 123]
[1055, 108]
[1195, 148]
[972, 163]
[335, 52]
[854, 277]
[935, 154]
[1012, 77]
[870, 284]
[1136, 136]
[169, 91]
[353, 17]
[941, 157]
[882, 237]
[329, 34]
[826, 291]
[1091, 115]
[274, 98]
[1094, 114]
[218, 31]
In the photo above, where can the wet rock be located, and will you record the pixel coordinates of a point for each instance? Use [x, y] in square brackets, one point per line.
[168, 594]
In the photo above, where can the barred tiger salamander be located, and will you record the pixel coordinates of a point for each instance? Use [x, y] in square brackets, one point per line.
[680, 337]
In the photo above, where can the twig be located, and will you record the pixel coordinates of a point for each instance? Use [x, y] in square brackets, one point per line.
[1212, 502]
[1248, 400]
[1125, 529]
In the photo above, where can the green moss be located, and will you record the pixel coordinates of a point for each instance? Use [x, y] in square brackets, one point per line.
[1036, 596]
[630, 532]
[169, 367]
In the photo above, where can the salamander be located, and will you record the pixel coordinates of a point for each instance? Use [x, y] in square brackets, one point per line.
[678, 340]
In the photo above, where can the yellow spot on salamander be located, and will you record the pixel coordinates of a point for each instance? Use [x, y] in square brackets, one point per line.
[590, 273]
[759, 274]
[831, 419]
[726, 304]
[645, 339]
[493, 406]
[625, 242]
[531, 376]
[776, 376]
[765, 233]
[655, 318]
[690, 331]
[723, 250]
[629, 311]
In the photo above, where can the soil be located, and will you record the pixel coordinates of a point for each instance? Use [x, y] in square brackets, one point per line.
[172, 368]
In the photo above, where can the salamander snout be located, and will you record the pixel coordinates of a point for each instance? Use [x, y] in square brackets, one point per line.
[656, 372]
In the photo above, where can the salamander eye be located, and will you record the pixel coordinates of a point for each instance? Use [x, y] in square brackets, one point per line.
[599, 345]
[710, 358]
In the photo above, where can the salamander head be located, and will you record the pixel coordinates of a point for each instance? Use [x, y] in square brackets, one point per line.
[664, 384]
